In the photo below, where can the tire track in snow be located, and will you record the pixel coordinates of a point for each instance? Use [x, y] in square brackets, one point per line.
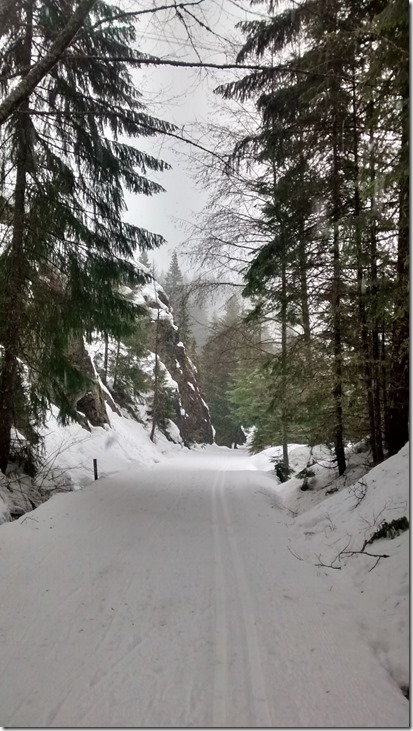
[220, 682]
[261, 710]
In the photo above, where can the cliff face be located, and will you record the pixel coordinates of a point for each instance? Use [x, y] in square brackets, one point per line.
[194, 421]
[188, 409]
[193, 418]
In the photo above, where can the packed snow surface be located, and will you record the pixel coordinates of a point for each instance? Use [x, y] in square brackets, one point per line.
[166, 596]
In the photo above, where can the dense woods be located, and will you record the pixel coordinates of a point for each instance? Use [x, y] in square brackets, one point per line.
[312, 203]
[325, 178]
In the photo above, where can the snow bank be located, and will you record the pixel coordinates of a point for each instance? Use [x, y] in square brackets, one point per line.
[72, 449]
[333, 519]
[298, 454]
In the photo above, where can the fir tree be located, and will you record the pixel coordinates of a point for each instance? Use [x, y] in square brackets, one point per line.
[320, 109]
[176, 291]
[144, 258]
[232, 347]
[68, 249]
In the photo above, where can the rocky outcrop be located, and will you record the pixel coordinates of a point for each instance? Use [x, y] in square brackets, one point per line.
[195, 422]
[193, 418]
[90, 401]
[31, 477]
[191, 412]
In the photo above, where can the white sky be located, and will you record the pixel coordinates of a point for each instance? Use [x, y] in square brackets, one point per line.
[184, 97]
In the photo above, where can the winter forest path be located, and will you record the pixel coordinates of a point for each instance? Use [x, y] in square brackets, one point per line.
[166, 597]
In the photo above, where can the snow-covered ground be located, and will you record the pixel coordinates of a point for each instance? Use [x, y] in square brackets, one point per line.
[332, 530]
[186, 594]
[69, 452]
[126, 442]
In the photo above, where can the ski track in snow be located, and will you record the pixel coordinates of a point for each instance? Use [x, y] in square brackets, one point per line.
[220, 693]
[254, 677]
[167, 598]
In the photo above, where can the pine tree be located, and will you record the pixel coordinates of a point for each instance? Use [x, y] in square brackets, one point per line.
[320, 108]
[144, 258]
[233, 347]
[63, 172]
[178, 297]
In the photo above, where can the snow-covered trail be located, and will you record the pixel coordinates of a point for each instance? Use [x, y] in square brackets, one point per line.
[167, 597]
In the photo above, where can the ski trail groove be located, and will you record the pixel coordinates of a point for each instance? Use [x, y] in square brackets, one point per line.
[262, 715]
[220, 682]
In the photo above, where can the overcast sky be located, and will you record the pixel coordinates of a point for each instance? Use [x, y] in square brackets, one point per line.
[184, 97]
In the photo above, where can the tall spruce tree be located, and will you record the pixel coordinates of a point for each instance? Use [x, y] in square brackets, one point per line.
[325, 137]
[233, 347]
[178, 297]
[64, 169]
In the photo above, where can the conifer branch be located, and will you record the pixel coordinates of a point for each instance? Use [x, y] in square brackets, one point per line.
[145, 126]
[45, 64]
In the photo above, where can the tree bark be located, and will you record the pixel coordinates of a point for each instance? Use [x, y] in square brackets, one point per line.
[398, 397]
[105, 358]
[374, 292]
[115, 370]
[284, 414]
[366, 369]
[13, 295]
[336, 301]
[156, 380]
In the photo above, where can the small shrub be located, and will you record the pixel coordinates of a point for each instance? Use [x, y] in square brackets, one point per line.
[390, 530]
[305, 473]
[281, 470]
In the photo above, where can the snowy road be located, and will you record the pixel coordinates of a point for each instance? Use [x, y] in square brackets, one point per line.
[167, 597]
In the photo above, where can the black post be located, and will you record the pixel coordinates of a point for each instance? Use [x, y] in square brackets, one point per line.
[95, 468]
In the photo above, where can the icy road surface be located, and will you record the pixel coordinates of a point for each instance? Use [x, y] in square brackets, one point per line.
[167, 597]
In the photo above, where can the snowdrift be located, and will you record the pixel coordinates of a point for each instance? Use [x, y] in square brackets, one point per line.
[330, 524]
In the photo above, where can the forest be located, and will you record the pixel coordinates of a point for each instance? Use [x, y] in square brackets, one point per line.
[305, 236]
[204, 364]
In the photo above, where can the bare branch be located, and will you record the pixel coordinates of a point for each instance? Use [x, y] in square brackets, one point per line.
[294, 554]
[141, 60]
[131, 14]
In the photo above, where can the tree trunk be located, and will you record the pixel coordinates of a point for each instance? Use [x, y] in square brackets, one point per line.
[284, 414]
[105, 358]
[374, 292]
[398, 397]
[302, 263]
[283, 395]
[115, 370]
[384, 380]
[336, 307]
[13, 295]
[156, 380]
[366, 369]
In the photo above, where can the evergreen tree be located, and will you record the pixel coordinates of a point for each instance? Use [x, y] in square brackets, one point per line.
[144, 258]
[63, 171]
[323, 151]
[233, 347]
[178, 297]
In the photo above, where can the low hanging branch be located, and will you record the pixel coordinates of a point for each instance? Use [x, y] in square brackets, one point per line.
[153, 61]
[62, 42]
[144, 125]
[45, 64]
